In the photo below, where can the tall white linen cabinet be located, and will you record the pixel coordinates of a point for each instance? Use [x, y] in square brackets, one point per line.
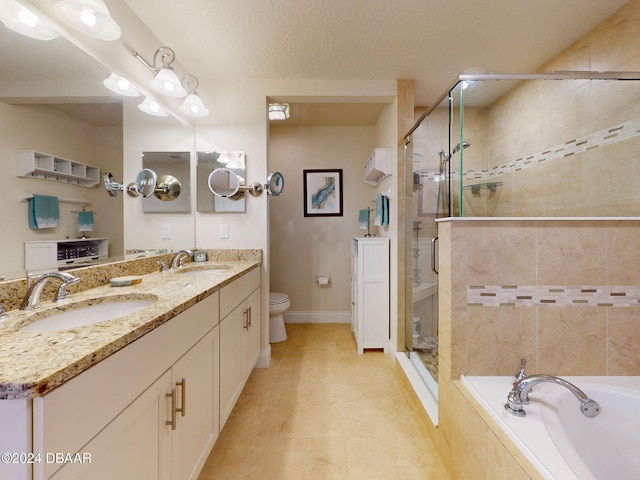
[370, 292]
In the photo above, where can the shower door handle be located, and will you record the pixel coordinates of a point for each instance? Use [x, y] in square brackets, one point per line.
[433, 254]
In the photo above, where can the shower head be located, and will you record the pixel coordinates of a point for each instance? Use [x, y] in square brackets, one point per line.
[457, 147]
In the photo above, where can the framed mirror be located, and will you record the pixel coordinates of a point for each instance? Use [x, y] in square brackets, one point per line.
[207, 163]
[168, 164]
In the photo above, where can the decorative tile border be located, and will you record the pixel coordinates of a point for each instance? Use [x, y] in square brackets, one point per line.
[614, 134]
[553, 295]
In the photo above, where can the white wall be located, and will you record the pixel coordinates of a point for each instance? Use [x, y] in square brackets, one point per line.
[43, 129]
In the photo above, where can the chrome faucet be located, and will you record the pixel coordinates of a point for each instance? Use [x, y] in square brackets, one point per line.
[32, 298]
[519, 395]
[180, 257]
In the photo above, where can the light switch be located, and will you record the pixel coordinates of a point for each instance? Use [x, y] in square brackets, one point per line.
[224, 230]
[166, 230]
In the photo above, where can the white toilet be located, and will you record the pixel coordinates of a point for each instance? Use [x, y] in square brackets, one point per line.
[278, 304]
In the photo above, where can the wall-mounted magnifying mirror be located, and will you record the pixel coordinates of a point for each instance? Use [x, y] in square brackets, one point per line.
[146, 182]
[168, 188]
[225, 183]
[207, 163]
[275, 184]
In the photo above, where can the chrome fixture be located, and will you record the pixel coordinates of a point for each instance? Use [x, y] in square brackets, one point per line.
[32, 297]
[90, 17]
[20, 19]
[521, 373]
[278, 111]
[456, 149]
[178, 259]
[519, 395]
[3, 314]
[164, 187]
[168, 83]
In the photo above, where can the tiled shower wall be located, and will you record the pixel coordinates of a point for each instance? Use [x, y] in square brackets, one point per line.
[561, 293]
[564, 148]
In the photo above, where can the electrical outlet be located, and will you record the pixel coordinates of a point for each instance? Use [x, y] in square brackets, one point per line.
[224, 230]
[166, 230]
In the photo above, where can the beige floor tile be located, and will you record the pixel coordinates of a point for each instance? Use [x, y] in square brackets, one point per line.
[321, 411]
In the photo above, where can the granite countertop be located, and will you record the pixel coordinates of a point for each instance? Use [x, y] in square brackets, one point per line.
[32, 364]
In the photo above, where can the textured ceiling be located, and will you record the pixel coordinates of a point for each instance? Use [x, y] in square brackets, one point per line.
[430, 41]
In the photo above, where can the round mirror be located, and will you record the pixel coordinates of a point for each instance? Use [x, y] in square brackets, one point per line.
[168, 188]
[275, 184]
[223, 182]
[146, 182]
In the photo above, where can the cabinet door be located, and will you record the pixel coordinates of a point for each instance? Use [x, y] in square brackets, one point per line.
[132, 445]
[230, 361]
[196, 429]
[250, 333]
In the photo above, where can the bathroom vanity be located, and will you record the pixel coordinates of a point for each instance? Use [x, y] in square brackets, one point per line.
[143, 396]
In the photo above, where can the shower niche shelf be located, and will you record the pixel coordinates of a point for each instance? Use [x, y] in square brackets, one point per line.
[476, 187]
[32, 164]
[378, 167]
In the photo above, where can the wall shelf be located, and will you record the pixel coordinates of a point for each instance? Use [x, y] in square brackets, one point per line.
[379, 166]
[32, 164]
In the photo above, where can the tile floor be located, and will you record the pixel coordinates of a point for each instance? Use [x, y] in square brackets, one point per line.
[321, 411]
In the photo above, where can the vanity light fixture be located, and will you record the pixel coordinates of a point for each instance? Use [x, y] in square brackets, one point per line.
[166, 80]
[192, 104]
[278, 111]
[21, 20]
[152, 108]
[90, 17]
[120, 85]
[168, 83]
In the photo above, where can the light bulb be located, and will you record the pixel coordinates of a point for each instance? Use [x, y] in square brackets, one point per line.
[88, 17]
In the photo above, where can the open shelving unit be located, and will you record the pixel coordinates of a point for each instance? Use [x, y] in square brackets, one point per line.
[32, 164]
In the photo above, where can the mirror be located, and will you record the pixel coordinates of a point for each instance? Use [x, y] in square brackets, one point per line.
[224, 202]
[275, 184]
[53, 101]
[174, 180]
[146, 182]
[168, 188]
[224, 183]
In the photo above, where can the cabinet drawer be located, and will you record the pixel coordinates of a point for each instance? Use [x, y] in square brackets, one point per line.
[232, 295]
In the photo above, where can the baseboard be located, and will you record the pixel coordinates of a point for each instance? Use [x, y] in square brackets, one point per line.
[317, 317]
[264, 359]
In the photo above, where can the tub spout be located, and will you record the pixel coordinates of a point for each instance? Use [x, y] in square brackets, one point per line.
[519, 395]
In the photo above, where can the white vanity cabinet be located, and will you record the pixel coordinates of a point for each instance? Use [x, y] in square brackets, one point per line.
[150, 411]
[370, 292]
[239, 338]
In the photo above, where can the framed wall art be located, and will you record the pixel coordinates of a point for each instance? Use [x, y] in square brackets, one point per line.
[322, 193]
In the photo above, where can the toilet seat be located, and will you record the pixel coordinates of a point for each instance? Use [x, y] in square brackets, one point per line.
[277, 298]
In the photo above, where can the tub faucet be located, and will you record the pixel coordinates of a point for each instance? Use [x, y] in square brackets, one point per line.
[179, 258]
[32, 297]
[519, 395]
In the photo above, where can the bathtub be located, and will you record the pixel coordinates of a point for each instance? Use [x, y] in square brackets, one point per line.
[557, 439]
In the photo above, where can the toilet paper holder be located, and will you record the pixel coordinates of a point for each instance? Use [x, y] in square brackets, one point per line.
[323, 280]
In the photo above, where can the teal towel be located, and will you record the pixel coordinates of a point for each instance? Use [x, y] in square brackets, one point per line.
[363, 219]
[44, 212]
[382, 211]
[85, 221]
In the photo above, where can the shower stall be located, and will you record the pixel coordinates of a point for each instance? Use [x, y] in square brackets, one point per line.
[562, 144]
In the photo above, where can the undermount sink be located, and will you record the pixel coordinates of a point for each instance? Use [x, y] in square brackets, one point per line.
[87, 312]
[203, 269]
